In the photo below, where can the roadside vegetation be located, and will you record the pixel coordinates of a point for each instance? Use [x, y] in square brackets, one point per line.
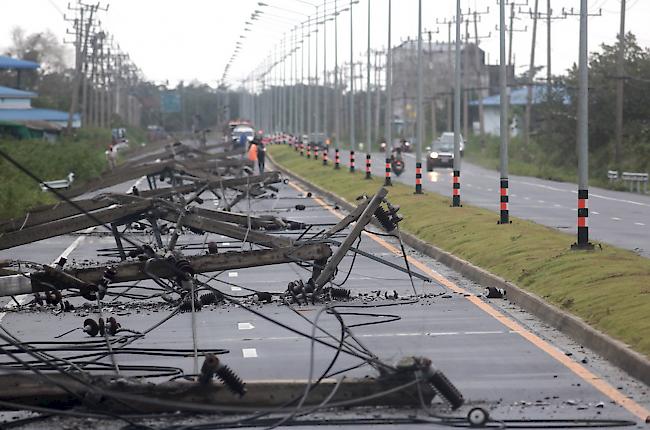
[82, 154]
[608, 288]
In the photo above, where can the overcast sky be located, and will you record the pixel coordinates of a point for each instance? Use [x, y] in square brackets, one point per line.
[194, 39]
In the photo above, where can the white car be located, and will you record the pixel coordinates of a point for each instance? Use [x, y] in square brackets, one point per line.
[447, 138]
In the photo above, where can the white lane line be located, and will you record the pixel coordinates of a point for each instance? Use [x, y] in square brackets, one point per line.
[591, 195]
[249, 352]
[541, 201]
[245, 326]
[235, 289]
[542, 186]
[366, 336]
[232, 274]
[74, 245]
[23, 298]
[135, 184]
[490, 189]
[639, 223]
[616, 218]
[618, 200]
[557, 205]
[526, 198]
[595, 213]
[513, 195]
[226, 244]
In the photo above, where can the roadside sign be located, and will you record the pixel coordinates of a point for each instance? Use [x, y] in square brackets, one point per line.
[170, 101]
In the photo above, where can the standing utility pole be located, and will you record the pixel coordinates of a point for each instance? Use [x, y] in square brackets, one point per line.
[353, 144]
[368, 105]
[388, 127]
[419, 110]
[478, 69]
[620, 72]
[326, 128]
[503, 129]
[337, 91]
[531, 75]
[457, 83]
[511, 28]
[583, 134]
[317, 128]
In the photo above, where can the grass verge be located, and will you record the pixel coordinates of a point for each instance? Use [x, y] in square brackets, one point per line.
[609, 288]
[82, 153]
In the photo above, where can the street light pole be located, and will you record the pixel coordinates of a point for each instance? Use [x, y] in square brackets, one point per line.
[352, 138]
[368, 105]
[389, 98]
[583, 134]
[420, 113]
[457, 82]
[503, 130]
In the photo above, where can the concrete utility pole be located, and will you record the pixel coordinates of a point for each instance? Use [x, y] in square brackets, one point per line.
[511, 29]
[466, 81]
[388, 127]
[549, 13]
[450, 73]
[583, 134]
[310, 117]
[457, 89]
[620, 73]
[434, 121]
[478, 69]
[368, 105]
[531, 76]
[419, 110]
[337, 91]
[503, 129]
[353, 143]
[326, 128]
[378, 69]
[301, 107]
[317, 128]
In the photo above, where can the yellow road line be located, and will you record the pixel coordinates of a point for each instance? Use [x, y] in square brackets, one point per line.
[585, 374]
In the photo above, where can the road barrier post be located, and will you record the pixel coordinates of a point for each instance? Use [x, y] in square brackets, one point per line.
[387, 181]
[368, 175]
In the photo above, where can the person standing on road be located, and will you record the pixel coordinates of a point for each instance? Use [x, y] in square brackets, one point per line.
[111, 157]
[252, 151]
[261, 156]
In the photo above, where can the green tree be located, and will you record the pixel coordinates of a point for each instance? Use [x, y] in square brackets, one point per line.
[559, 130]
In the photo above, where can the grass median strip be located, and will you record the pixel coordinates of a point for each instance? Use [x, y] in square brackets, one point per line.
[609, 288]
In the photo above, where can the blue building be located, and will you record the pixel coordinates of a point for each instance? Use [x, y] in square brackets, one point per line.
[17, 116]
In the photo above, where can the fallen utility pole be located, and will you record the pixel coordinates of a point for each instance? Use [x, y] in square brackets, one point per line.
[129, 271]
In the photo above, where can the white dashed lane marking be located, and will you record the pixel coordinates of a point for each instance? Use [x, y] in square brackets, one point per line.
[232, 274]
[249, 352]
[245, 326]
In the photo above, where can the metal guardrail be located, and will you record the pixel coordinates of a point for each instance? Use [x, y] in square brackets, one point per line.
[636, 180]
